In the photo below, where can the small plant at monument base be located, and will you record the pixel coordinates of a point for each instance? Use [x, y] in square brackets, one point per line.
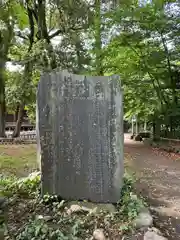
[49, 199]
[129, 204]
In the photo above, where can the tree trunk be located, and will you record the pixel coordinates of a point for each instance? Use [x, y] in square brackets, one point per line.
[78, 54]
[5, 40]
[166, 131]
[43, 32]
[16, 114]
[2, 101]
[145, 126]
[137, 126]
[132, 124]
[38, 138]
[17, 129]
[2, 119]
[171, 127]
[98, 41]
[27, 76]
[156, 130]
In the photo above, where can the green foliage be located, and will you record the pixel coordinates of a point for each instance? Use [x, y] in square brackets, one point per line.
[32, 47]
[140, 42]
[129, 204]
[27, 187]
[31, 112]
[48, 199]
[6, 181]
[39, 230]
[145, 53]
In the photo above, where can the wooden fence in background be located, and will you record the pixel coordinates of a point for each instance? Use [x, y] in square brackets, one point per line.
[25, 138]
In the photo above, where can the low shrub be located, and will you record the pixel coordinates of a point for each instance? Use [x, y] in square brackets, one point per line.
[22, 187]
[129, 204]
[39, 230]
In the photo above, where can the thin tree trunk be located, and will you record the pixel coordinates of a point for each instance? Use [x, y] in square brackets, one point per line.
[145, 126]
[16, 113]
[27, 76]
[5, 40]
[98, 41]
[17, 129]
[171, 127]
[166, 131]
[43, 32]
[132, 124]
[156, 130]
[2, 119]
[2, 101]
[137, 126]
[38, 138]
[78, 54]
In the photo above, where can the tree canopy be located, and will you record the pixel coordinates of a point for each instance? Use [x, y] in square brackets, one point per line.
[137, 40]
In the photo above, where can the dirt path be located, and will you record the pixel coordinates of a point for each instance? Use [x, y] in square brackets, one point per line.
[159, 182]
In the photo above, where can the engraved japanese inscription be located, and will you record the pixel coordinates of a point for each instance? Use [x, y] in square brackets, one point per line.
[81, 136]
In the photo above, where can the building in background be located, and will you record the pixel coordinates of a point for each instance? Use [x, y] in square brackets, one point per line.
[11, 122]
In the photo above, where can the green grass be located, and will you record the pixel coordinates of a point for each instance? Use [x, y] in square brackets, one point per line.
[17, 160]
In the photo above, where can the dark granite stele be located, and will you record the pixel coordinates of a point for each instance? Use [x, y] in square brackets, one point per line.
[80, 124]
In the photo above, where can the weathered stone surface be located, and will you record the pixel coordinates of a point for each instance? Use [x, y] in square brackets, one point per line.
[149, 235]
[91, 207]
[144, 219]
[156, 230]
[80, 122]
[98, 234]
[75, 208]
[38, 138]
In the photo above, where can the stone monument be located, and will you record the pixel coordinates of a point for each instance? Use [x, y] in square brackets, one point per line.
[80, 124]
[38, 139]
